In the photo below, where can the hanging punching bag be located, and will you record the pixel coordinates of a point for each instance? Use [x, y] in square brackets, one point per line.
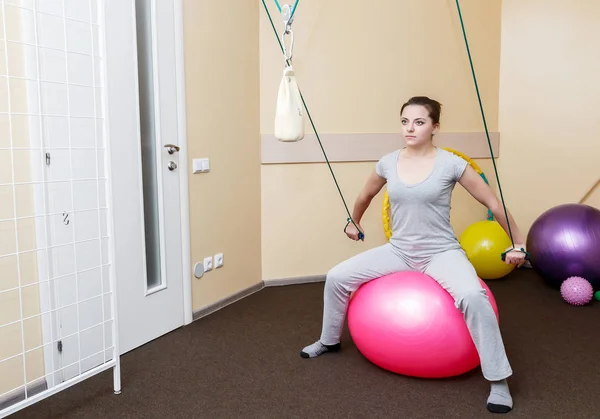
[289, 115]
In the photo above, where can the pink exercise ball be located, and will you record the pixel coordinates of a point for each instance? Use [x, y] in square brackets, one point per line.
[577, 291]
[408, 324]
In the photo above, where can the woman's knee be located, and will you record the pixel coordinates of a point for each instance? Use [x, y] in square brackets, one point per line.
[363, 267]
[473, 299]
[346, 276]
[336, 276]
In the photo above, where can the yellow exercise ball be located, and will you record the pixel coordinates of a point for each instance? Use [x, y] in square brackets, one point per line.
[484, 242]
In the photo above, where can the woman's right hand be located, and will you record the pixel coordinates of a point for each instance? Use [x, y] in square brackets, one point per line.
[352, 232]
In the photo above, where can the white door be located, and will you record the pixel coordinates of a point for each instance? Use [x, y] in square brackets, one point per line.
[99, 177]
[146, 162]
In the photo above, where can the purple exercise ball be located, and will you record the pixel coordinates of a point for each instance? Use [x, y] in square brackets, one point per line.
[565, 241]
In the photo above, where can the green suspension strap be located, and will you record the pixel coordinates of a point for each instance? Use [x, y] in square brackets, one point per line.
[279, 8]
[288, 21]
[527, 256]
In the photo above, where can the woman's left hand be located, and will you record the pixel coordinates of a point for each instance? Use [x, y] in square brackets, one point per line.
[516, 256]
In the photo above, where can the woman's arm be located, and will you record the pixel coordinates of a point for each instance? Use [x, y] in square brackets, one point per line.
[372, 187]
[481, 191]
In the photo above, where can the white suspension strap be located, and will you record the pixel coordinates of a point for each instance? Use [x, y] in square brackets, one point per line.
[289, 115]
[288, 19]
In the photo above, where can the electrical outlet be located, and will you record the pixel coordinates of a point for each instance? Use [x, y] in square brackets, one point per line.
[208, 263]
[198, 270]
[218, 260]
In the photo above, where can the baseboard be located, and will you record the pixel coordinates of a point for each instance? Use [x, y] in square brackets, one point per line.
[224, 302]
[19, 395]
[294, 280]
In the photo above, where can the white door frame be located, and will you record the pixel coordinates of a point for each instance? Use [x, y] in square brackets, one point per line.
[183, 164]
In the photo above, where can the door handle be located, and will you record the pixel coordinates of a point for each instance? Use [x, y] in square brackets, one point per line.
[172, 166]
[171, 148]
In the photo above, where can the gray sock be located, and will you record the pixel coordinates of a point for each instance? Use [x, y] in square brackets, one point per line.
[500, 400]
[317, 348]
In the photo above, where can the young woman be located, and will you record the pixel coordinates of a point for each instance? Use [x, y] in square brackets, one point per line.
[420, 179]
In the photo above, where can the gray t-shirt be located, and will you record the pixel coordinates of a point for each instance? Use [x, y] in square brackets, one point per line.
[420, 213]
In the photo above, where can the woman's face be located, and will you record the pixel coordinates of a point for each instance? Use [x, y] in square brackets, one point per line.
[417, 126]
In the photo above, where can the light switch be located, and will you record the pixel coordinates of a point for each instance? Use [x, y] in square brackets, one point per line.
[201, 165]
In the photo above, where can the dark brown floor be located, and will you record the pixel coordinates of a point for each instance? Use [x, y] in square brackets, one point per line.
[243, 362]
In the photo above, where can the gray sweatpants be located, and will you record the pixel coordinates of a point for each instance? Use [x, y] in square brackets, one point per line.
[451, 269]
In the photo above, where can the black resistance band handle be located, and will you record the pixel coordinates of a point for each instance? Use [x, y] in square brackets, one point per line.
[527, 255]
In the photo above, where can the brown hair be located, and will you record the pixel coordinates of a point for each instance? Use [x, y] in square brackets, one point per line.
[434, 107]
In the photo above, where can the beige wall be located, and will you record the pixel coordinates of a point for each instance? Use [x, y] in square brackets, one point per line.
[549, 96]
[221, 65]
[355, 72]
[593, 198]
